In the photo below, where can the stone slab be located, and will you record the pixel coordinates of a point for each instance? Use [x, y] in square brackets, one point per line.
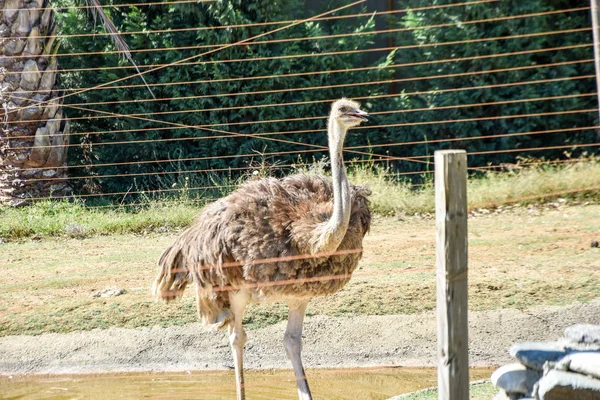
[561, 385]
[535, 354]
[515, 378]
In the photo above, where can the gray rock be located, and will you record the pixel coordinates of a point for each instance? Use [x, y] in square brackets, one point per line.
[583, 333]
[534, 355]
[586, 363]
[501, 396]
[109, 292]
[515, 378]
[561, 385]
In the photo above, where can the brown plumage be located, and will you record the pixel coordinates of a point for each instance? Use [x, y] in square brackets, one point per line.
[283, 240]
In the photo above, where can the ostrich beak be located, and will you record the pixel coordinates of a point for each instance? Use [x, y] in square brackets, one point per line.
[359, 114]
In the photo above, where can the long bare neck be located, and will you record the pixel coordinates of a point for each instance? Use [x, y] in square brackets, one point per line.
[328, 236]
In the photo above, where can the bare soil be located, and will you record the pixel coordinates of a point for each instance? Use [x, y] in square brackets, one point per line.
[329, 342]
[532, 273]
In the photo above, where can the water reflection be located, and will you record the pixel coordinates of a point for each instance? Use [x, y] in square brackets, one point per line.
[363, 383]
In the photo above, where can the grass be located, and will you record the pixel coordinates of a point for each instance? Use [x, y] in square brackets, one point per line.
[528, 256]
[391, 196]
[477, 391]
[62, 218]
[537, 254]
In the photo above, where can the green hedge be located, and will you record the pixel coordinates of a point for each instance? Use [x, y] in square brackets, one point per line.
[427, 45]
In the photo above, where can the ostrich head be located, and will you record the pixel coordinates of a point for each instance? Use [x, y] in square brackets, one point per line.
[347, 113]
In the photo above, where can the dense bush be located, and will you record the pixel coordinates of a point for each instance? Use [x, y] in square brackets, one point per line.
[538, 33]
[391, 104]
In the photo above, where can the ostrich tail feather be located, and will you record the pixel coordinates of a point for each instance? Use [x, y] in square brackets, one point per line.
[173, 275]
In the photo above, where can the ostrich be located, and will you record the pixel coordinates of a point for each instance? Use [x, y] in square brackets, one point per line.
[284, 239]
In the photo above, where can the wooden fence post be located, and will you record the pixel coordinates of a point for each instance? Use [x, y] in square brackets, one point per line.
[451, 255]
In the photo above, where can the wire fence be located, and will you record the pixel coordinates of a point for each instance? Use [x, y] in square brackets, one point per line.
[208, 121]
[158, 121]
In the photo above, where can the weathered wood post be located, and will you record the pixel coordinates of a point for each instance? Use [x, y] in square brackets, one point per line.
[451, 255]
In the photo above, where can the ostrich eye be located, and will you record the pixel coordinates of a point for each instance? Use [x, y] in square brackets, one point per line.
[344, 109]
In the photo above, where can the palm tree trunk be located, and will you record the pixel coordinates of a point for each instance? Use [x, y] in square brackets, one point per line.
[33, 139]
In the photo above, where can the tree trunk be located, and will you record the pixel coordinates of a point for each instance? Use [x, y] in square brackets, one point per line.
[33, 132]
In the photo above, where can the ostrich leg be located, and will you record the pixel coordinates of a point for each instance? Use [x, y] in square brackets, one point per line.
[237, 340]
[293, 346]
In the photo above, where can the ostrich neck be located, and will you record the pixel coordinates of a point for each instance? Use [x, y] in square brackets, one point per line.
[330, 234]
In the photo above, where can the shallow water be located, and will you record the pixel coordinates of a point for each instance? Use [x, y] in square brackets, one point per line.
[360, 383]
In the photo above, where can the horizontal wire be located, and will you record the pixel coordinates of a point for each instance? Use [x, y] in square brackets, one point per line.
[336, 71]
[270, 260]
[237, 134]
[256, 24]
[452, 121]
[330, 100]
[321, 148]
[204, 128]
[396, 144]
[263, 134]
[426, 92]
[391, 157]
[163, 140]
[527, 164]
[186, 171]
[216, 187]
[123, 67]
[129, 192]
[141, 4]
[180, 189]
[368, 83]
[171, 160]
[481, 137]
[488, 168]
[370, 154]
[153, 202]
[322, 37]
[568, 146]
[429, 156]
[196, 56]
[532, 197]
[305, 55]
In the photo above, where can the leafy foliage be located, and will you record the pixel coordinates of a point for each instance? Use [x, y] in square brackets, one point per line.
[510, 84]
[231, 100]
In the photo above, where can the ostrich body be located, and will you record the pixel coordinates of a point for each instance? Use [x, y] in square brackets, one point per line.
[284, 239]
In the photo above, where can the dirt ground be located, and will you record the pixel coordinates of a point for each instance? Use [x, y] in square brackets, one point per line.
[329, 342]
[532, 273]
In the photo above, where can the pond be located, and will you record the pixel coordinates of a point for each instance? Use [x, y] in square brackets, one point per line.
[358, 383]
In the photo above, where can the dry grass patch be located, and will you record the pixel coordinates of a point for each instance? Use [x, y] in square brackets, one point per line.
[521, 258]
